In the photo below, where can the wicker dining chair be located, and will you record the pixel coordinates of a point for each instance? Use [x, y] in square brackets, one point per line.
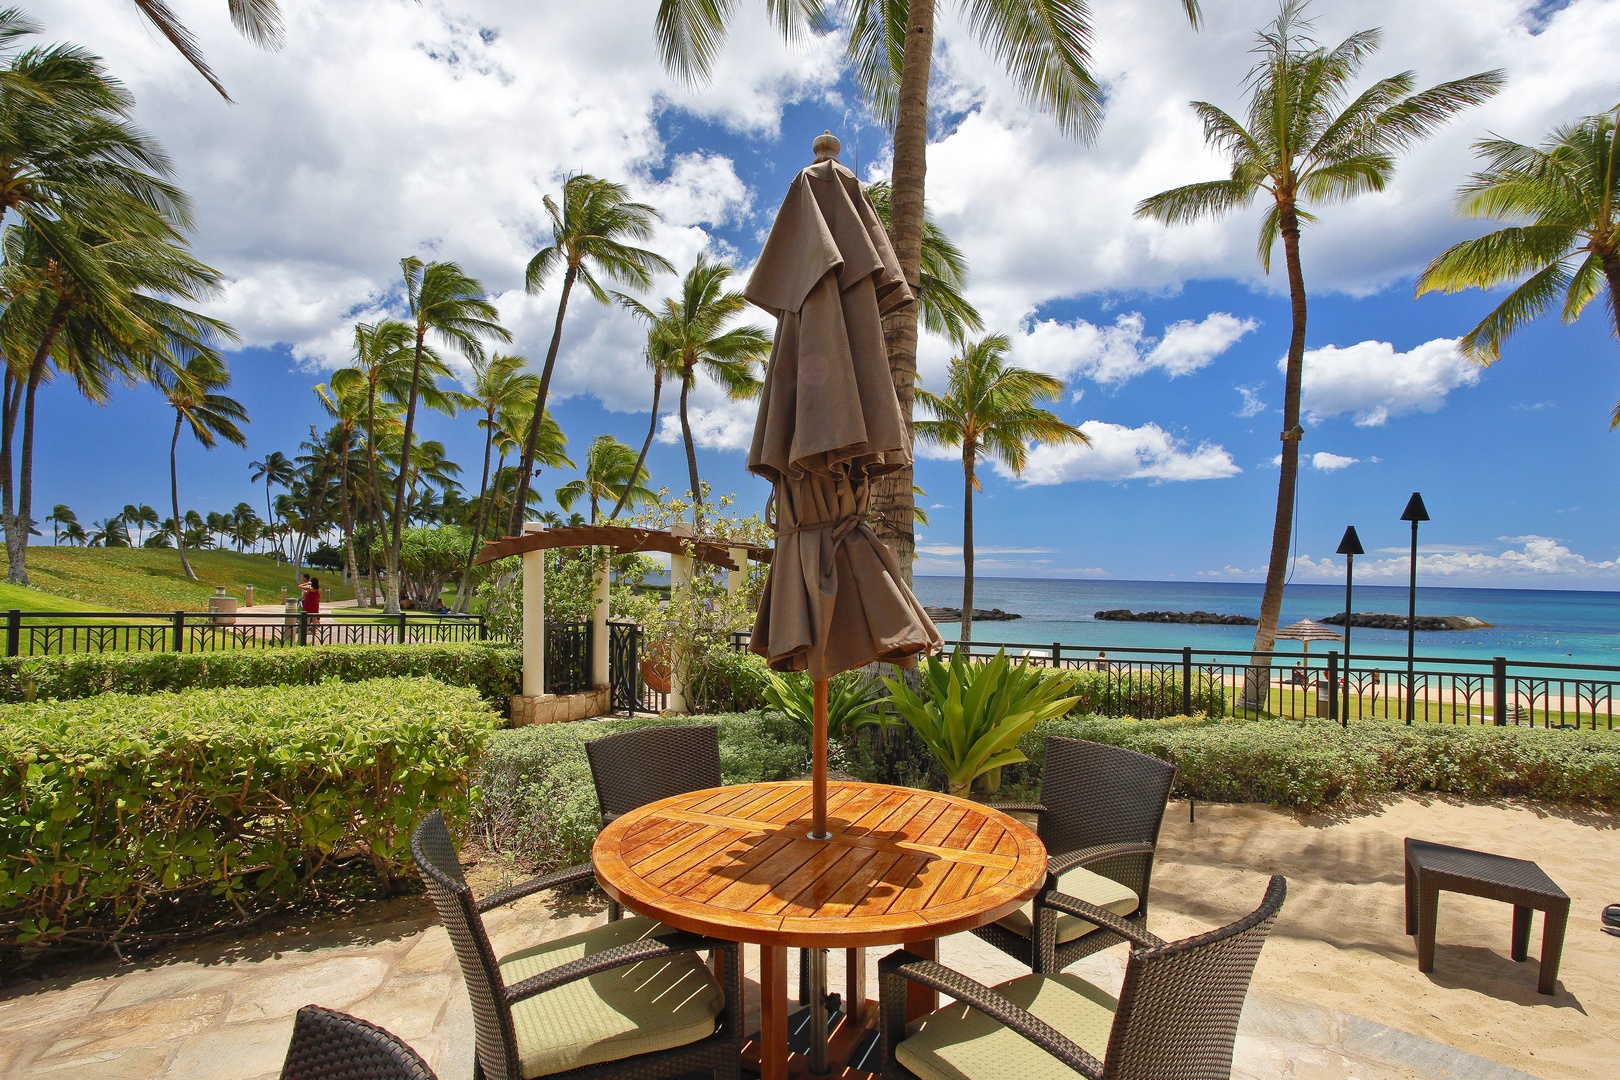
[328, 1045]
[1176, 1016]
[1099, 816]
[628, 999]
[634, 768]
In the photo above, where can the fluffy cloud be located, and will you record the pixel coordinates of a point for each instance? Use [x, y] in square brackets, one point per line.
[1123, 351]
[726, 425]
[1534, 557]
[1119, 453]
[1326, 462]
[1373, 382]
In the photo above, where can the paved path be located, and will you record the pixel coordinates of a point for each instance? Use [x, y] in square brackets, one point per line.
[223, 1012]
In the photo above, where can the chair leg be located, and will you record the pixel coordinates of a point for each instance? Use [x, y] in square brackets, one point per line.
[1428, 915]
[1521, 932]
[1411, 900]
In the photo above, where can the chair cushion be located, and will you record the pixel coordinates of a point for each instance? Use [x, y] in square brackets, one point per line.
[638, 1009]
[1081, 884]
[959, 1043]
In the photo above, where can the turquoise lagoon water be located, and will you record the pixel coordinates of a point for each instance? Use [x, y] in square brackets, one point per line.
[1527, 624]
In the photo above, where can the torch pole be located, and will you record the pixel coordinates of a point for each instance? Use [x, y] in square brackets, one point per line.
[1411, 629]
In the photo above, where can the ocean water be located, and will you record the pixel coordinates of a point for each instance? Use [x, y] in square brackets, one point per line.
[1531, 625]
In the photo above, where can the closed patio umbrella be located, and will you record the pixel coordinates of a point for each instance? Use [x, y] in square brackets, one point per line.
[828, 424]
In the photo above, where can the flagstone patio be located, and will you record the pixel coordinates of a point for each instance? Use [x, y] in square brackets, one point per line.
[1337, 993]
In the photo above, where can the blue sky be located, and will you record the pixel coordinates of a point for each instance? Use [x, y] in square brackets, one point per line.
[386, 129]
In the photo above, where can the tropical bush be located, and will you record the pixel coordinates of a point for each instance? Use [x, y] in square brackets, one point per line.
[1316, 763]
[972, 714]
[118, 809]
[724, 680]
[540, 806]
[853, 704]
[495, 671]
[428, 557]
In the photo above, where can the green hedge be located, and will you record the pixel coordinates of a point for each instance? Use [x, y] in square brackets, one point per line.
[538, 800]
[119, 807]
[495, 671]
[1317, 763]
[1152, 694]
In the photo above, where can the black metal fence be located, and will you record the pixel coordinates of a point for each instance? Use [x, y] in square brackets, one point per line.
[1149, 683]
[66, 632]
[568, 657]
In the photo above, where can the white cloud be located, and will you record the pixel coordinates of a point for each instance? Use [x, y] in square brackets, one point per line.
[725, 426]
[956, 549]
[1123, 351]
[1119, 453]
[1373, 382]
[1326, 462]
[1534, 557]
[1252, 405]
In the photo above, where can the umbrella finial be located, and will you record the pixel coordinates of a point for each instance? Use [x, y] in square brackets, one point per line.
[826, 146]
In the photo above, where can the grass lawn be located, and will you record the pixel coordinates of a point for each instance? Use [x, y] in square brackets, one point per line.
[149, 579]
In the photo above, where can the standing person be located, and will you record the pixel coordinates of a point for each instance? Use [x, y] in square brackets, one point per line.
[311, 600]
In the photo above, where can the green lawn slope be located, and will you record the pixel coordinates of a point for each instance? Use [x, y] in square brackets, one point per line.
[149, 579]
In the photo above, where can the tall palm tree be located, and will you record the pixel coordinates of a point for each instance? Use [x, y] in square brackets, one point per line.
[1307, 141]
[498, 383]
[75, 534]
[139, 517]
[445, 300]
[611, 472]
[274, 469]
[688, 334]
[109, 533]
[258, 20]
[1044, 46]
[1568, 191]
[347, 409]
[591, 237]
[191, 383]
[989, 410]
[61, 517]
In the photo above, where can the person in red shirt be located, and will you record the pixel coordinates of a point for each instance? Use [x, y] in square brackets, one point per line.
[311, 600]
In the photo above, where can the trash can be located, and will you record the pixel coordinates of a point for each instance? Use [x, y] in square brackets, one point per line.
[222, 608]
[1322, 698]
[248, 601]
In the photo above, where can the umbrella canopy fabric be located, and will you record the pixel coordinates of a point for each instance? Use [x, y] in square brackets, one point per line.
[1309, 630]
[828, 423]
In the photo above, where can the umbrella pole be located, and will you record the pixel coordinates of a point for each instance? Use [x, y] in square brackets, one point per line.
[818, 764]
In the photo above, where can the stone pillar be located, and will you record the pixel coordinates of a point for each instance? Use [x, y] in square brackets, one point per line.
[534, 616]
[599, 621]
[680, 577]
[736, 578]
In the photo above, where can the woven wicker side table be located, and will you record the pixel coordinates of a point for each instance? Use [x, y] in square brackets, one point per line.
[1520, 882]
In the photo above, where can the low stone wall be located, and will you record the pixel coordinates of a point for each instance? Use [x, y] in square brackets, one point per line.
[557, 708]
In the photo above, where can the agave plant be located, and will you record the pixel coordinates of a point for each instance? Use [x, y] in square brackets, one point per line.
[972, 715]
[851, 703]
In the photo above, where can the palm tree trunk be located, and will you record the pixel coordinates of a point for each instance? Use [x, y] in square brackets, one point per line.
[464, 590]
[532, 440]
[8, 427]
[967, 543]
[391, 595]
[893, 502]
[174, 499]
[17, 525]
[1611, 271]
[378, 518]
[350, 564]
[641, 459]
[691, 453]
[1257, 681]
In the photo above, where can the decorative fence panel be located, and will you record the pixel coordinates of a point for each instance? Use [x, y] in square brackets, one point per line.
[35, 633]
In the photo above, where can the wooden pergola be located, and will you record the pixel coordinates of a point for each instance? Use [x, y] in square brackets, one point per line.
[683, 550]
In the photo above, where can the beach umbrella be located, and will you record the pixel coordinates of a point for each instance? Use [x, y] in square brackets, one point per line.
[828, 424]
[1307, 631]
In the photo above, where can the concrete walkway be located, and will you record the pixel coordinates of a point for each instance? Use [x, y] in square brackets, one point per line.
[227, 1014]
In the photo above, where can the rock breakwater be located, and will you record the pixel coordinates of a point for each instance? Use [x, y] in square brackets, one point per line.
[1205, 618]
[1375, 621]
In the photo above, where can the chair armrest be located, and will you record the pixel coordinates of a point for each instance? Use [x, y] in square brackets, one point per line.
[634, 952]
[539, 884]
[1061, 864]
[1018, 807]
[1104, 918]
[978, 996]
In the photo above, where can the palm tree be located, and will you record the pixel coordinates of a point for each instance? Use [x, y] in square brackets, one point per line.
[448, 302]
[258, 20]
[499, 383]
[191, 383]
[688, 335]
[589, 237]
[109, 533]
[274, 468]
[1043, 44]
[347, 408]
[611, 472]
[942, 274]
[61, 517]
[139, 517]
[989, 409]
[1307, 141]
[1568, 190]
[74, 533]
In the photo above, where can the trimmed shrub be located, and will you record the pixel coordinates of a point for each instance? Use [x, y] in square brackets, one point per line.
[117, 807]
[723, 680]
[1149, 695]
[1316, 763]
[538, 800]
[495, 671]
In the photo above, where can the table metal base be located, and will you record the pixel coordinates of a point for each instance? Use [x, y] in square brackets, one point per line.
[852, 1050]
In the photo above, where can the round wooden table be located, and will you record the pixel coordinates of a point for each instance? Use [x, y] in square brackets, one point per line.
[903, 867]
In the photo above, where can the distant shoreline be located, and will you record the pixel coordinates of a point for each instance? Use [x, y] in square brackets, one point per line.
[1423, 587]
